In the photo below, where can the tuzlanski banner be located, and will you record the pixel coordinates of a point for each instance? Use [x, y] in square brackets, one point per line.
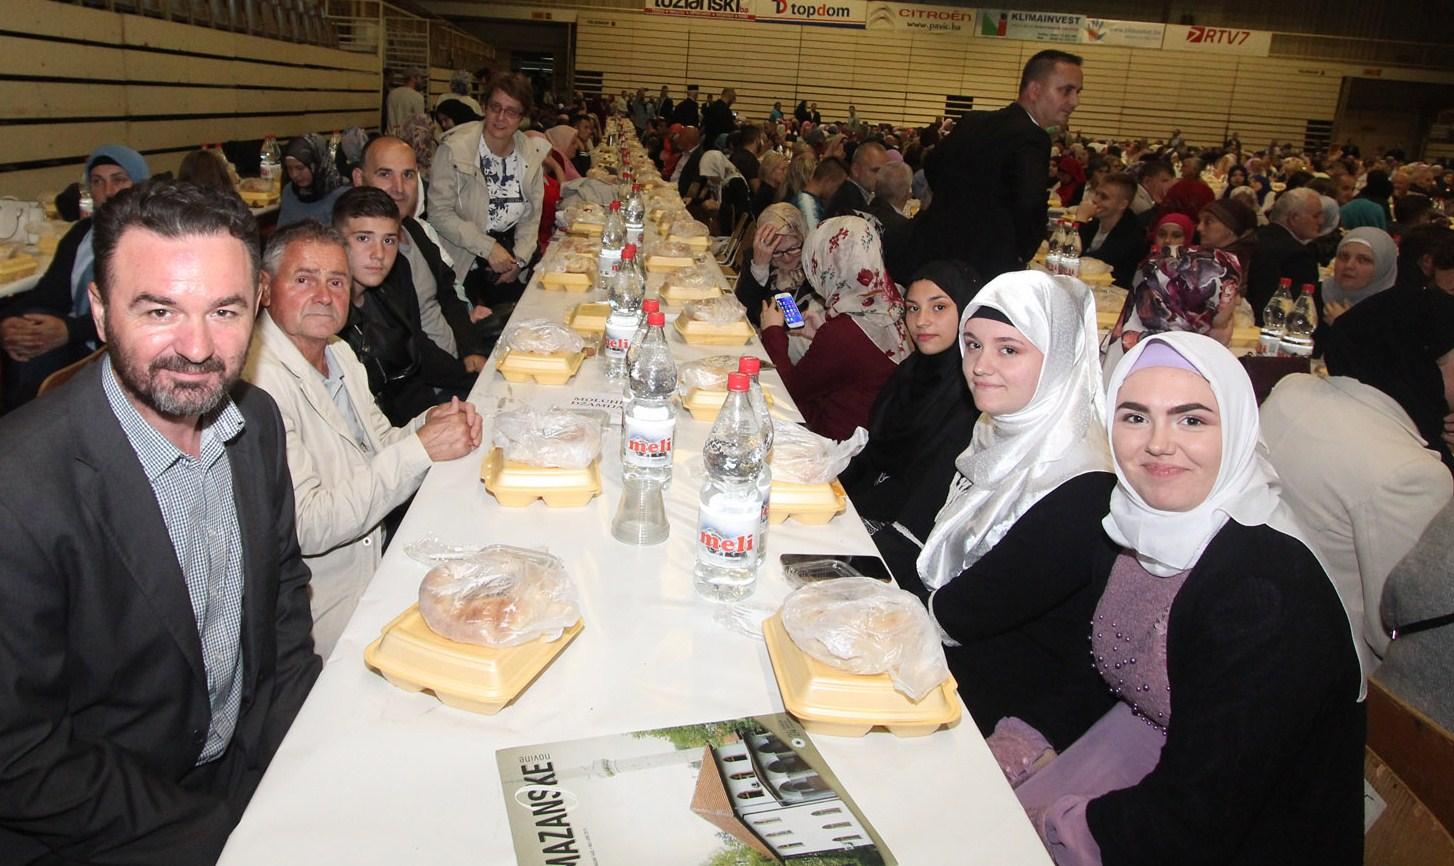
[919, 18]
[700, 8]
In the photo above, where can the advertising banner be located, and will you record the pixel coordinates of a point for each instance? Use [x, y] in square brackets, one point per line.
[1131, 34]
[920, 18]
[1030, 26]
[1219, 40]
[826, 13]
[700, 8]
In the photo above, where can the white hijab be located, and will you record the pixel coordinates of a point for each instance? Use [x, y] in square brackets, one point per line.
[1247, 487]
[1014, 460]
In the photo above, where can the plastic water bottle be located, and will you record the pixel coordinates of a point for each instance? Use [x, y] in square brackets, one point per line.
[1070, 253]
[625, 296]
[613, 239]
[634, 214]
[1053, 249]
[731, 507]
[87, 203]
[1274, 318]
[648, 306]
[1297, 337]
[334, 141]
[649, 422]
[752, 366]
[270, 163]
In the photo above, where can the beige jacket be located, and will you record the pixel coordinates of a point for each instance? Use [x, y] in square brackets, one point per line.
[342, 490]
[459, 199]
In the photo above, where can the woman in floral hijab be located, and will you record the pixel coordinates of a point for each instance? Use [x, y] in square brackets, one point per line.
[1194, 291]
[862, 339]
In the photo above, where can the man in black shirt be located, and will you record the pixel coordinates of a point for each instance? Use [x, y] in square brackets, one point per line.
[686, 112]
[718, 119]
[408, 372]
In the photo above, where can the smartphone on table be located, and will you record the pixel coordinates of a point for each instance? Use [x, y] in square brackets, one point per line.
[803, 568]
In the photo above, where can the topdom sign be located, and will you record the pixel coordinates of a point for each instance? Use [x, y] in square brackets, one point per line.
[832, 13]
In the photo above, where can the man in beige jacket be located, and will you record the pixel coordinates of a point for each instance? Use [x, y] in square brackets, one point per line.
[349, 466]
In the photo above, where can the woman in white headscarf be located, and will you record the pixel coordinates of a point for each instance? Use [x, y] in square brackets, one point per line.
[1213, 607]
[1366, 263]
[1034, 477]
[732, 197]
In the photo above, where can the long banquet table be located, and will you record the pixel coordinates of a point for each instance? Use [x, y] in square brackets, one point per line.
[371, 774]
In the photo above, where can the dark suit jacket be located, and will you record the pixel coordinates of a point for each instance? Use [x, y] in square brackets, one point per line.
[1279, 255]
[687, 113]
[1123, 249]
[847, 201]
[717, 120]
[101, 672]
[989, 179]
[52, 294]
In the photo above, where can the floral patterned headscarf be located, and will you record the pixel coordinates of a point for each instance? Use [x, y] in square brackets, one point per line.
[1180, 293]
[844, 262]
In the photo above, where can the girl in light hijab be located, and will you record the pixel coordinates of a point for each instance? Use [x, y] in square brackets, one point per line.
[563, 142]
[1216, 608]
[313, 182]
[862, 339]
[1009, 604]
[1366, 263]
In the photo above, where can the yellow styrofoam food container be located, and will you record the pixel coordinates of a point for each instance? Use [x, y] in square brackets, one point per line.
[516, 485]
[479, 679]
[837, 703]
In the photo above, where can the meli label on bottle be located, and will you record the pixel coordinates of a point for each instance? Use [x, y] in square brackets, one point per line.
[648, 441]
[607, 264]
[619, 331]
[727, 531]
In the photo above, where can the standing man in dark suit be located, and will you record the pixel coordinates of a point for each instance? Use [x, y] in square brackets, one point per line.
[687, 112]
[990, 176]
[854, 196]
[154, 640]
[718, 119]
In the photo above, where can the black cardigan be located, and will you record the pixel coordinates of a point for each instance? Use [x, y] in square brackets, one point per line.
[1263, 761]
[1022, 615]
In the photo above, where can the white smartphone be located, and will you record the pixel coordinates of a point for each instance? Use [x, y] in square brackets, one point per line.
[792, 316]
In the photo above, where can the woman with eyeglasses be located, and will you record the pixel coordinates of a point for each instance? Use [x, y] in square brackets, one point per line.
[486, 194]
[776, 264]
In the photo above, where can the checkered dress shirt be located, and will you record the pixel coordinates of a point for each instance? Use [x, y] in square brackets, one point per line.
[195, 496]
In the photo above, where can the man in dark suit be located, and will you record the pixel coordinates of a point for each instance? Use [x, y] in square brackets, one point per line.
[687, 112]
[48, 327]
[156, 626]
[853, 197]
[1113, 236]
[890, 196]
[718, 119]
[990, 176]
[1282, 250]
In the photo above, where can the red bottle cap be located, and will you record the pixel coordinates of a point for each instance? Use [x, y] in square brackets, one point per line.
[628, 251]
[749, 364]
[651, 305]
[738, 382]
[656, 319]
[1307, 288]
[615, 204]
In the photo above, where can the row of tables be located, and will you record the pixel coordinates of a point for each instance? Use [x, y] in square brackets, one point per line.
[371, 774]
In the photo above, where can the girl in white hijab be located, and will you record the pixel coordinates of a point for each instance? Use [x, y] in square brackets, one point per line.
[1214, 608]
[1015, 458]
[1035, 479]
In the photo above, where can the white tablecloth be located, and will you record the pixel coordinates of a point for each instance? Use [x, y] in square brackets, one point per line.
[370, 774]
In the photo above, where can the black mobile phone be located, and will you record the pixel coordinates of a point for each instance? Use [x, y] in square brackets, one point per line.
[792, 316]
[801, 568]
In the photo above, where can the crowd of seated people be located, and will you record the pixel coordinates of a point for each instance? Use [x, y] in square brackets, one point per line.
[1253, 563]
